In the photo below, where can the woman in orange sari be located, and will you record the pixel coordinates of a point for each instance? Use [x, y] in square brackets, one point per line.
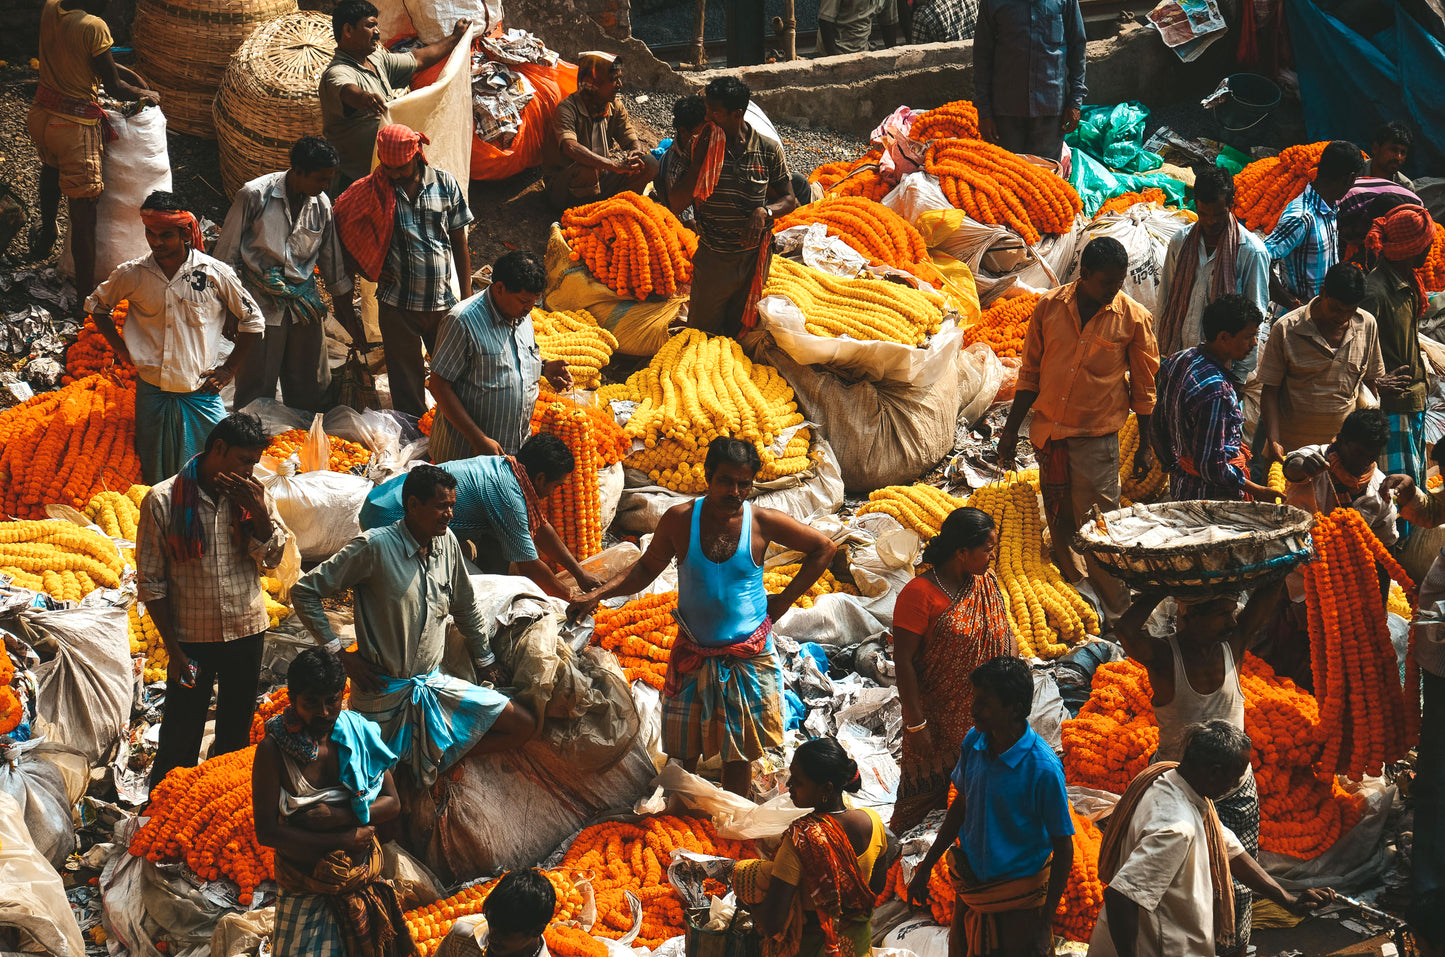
[816, 897]
[946, 623]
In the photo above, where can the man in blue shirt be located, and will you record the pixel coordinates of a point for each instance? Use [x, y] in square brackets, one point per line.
[1028, 73]
[1012, 823]
[1306, 240]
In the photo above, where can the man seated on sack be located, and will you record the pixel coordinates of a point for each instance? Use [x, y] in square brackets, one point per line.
[1206, 651]
[320, 786]
[498, 514]
[407, 580]
[689, 116]
[182, 302]
[590, 126]
[737, 183]
[486, 366]
[723, 692]
[279, 236]
[361, 79]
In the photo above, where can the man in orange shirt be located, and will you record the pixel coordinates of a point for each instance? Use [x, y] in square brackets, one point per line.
[1089, 358]
[68, 126]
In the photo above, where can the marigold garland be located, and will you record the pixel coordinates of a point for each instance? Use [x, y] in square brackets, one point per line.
[425, 422]
[858, 177]
[12, 712]
[62, 447]
[1150, 488]
[954, 121]
[431, 923]
[1047, 613]
[1004, 324]
[574, 509]
[1276, 480]
[1265, 187]
[612, 444]
[59, 558]
[864, 309]
[1368, 719]
[699, 388]
[1302, 812]
[871, 229]
[91, 353]
[345, 456]
[1120, 204]
[632, 245]
[995, 186]
[577, 339]
[1432, 274]
[921, 508]
[779, 577]
[641, 634]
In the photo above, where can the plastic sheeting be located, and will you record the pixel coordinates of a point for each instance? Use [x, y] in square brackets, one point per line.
[85, 683]
[1397, 74]
[32, 896]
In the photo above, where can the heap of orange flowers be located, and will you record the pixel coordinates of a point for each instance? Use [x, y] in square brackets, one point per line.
[954, 121]
[1367, 719]
[1302, 811]
[11, 712]
[995, 186]
[872, 229]
[1265, 187]
[634, 857]
[1432, 274]
[1122, 202]
[857, 177]
[613, 444]
[62, 447]
[203, 815]
[574, 509]
[425, 423]
[640, 634]
[346, 456]
[1004, 325]
[632, 245]
[90, 353]
[431, 923]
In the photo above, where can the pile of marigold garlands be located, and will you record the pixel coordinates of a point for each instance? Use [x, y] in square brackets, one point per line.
[995, 186]
[577, 339]
[1004, 324]
[635, 247]
[431, 923]
[344, 455]
[641, 634]
[1121, 203]
[697, 389]
[951, 121]
[872, 230]
[59, 558]
[91, 353]
[863, 309]
[858, 177]
[1265, 187]
[1302, 810]
[1366, 718]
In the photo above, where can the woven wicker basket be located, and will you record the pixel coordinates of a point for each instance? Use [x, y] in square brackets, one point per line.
[183, 46]
[268, 96]
[1256, 542]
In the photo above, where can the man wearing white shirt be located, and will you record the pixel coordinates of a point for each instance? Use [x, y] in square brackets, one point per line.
[1168, 861]
[181, 303]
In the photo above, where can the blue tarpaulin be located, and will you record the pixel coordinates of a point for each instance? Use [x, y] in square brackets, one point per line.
[1351, 83]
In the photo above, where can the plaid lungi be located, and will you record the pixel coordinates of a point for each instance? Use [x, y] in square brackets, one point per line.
[1405, 454]
[306, 924]
[1239, 811]
[728, 706]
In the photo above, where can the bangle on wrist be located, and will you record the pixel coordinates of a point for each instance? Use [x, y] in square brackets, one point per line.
[914, 729]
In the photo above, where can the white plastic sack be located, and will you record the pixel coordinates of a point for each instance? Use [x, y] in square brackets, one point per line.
[86, 688]
[32, 896]
[1145, 231]
[321, 508]
[610, 482]
[980, 374]
[835, 620]
[922, 937]
[737, 818]
[38, 789]
[874, 361]
[142, 901]
[134, 165]
[804, 496]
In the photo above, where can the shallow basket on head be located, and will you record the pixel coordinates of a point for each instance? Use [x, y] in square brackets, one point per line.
[183, 46]
[1198, 549]
[268, 97]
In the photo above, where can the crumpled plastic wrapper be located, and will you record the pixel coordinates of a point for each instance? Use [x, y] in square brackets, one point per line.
[498, 98]
[45, 284]
[518, 46]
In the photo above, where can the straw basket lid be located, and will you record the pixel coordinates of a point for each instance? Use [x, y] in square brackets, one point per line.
[186, 44]
[1198, 548]
[268, 97]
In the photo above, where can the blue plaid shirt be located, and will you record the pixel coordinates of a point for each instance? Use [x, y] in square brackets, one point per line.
[1028, 57]
[1307, 242]
[420, 256]
[493, 366]
[1198, 428]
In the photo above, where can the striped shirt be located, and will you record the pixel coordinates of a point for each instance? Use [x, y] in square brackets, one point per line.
[493, 366]
[489, 500]
[748, 173]
[1198, 428]
[420, 256]
[1307, 242]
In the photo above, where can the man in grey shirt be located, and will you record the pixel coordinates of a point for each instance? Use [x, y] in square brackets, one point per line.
[361, 78]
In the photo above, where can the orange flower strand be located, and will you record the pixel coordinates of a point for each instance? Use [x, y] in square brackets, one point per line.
[632, 245]
[1004, 325]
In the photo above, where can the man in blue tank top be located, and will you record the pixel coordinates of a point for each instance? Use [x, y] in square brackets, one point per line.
[723, 691]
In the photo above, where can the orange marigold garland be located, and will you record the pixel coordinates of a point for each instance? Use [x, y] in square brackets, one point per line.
[1265, 187]
[91, 353]
[1004, 325]
[995, 186]
[425, 423]
[575, 509]
[1368, 719]
[1122, 202]
[872, 229]
[12, 712]
[632, 245]
[613, 444]
[346, 456]
[955, 121]
[1432, 274]
[430, 923]
[641, 634]
[853, 177]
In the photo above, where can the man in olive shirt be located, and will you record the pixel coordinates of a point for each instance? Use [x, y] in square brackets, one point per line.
[737, 183]
[589, 125]
[361, 78]
[1399, 243]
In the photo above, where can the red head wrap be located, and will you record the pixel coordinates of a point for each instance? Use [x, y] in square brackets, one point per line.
[397, 144]
[178, 219]
[1402, 234]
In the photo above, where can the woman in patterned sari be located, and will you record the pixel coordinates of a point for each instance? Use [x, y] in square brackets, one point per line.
[815, 897]
[946, 623]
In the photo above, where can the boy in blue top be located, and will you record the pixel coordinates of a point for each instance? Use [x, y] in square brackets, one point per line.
[1015, 845]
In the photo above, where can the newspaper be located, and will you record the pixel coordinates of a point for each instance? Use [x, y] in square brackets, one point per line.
[1188, 27]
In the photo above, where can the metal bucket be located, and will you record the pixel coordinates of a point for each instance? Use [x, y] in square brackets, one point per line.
[1243, 100]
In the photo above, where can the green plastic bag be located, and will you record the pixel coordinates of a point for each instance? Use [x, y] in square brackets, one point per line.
[1097, 185]
[1114, 135]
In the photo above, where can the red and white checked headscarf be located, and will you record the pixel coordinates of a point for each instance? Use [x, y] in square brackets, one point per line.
[366, 212]
[1401, 234]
